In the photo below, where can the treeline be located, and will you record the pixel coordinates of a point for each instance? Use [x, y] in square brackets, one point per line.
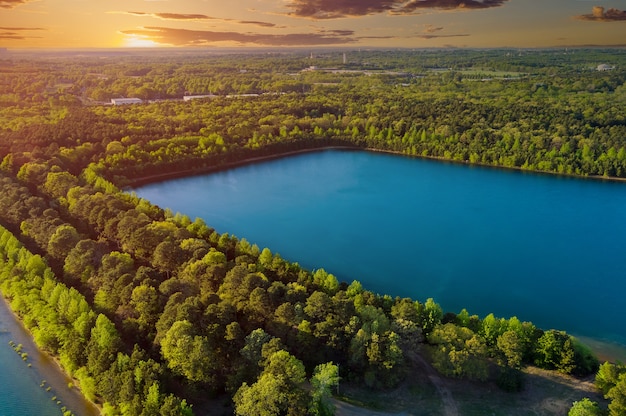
[545, 123]
[87, 343]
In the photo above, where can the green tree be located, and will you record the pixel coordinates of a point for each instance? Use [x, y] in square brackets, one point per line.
[325, 378]
[510, 345]
[145, 301]
[458, 352]
[608, 376]
[555, 350]
[187, 354]
[266, 397]
[584, 407]
[277, 391]
[617, 395]
[432, 314]
[62, 241]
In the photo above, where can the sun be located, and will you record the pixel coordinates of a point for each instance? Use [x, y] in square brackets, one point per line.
[133, 41]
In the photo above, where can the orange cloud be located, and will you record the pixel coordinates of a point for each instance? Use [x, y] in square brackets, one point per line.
[196, 16]
[10, 4]
[432, 29]
[430, 36]
[21, 28]
[256, 23]
[598, 14]
[334, 9]
[185, 37]
[174, 16]
[13, 33]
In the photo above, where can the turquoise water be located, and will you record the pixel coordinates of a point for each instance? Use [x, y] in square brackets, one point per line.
[547, 249]
[29, 391]
[20, 391]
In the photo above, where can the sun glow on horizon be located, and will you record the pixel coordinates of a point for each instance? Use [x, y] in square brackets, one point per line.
[134, 41]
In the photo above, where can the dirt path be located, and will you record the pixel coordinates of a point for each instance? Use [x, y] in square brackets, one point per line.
[446, 407]
[449, 404]
[347, 409]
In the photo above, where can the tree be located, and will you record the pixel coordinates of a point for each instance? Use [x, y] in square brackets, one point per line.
[266, 397]
[83, 260]
[277, 391]
[584, 407]
[608, 376]
[58, 183]
[145, 301]
[103, 345]
[167, 256]
[326, 281]
[187, 354]
[555, 351]
[510, 345]
[325, 378]
[617, 394]
[432, 315]
[64, 239]
[458, 352]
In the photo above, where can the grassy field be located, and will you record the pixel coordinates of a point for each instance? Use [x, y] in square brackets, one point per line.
[545, 393]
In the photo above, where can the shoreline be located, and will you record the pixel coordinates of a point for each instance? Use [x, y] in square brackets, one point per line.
[47, 366]
[604, 349]
[146, 180]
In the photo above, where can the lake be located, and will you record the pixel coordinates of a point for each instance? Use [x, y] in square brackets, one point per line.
[544, 248]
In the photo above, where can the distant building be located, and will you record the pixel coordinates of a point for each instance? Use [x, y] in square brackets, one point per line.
[604, 67]
[196, 97]
[241, 95]
[122, 101]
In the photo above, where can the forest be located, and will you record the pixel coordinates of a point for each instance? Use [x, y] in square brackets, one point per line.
[156, 313]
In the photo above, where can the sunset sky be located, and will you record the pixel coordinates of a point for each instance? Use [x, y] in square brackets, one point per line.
[273, 23]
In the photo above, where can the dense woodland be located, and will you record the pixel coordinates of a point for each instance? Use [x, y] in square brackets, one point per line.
[155, 313]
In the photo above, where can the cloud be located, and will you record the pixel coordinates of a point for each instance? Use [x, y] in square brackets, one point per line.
[256, 23]
[412, 5]
[334, 9]
[427, 36]
[185, 37]
[13, 33]
[10, 4]
[196, 16]
[173, 16]
[21, 28]
[432, 29]
[598, 14]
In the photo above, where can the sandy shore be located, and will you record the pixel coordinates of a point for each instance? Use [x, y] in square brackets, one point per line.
[46, 366]
[604, 350]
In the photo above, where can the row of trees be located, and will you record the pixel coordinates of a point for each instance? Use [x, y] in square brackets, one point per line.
[87, 343]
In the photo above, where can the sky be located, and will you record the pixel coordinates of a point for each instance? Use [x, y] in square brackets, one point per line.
[311, 23]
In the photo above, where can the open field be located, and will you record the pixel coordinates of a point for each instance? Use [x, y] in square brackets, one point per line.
[545, 393]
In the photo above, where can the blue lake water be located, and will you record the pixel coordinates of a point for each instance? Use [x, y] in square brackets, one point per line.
[20, 394]
[547, 249]
[29, 391]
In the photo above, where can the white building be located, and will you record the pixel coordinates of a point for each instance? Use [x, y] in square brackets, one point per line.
[604, 67]
[196, 97]
[122, 101]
